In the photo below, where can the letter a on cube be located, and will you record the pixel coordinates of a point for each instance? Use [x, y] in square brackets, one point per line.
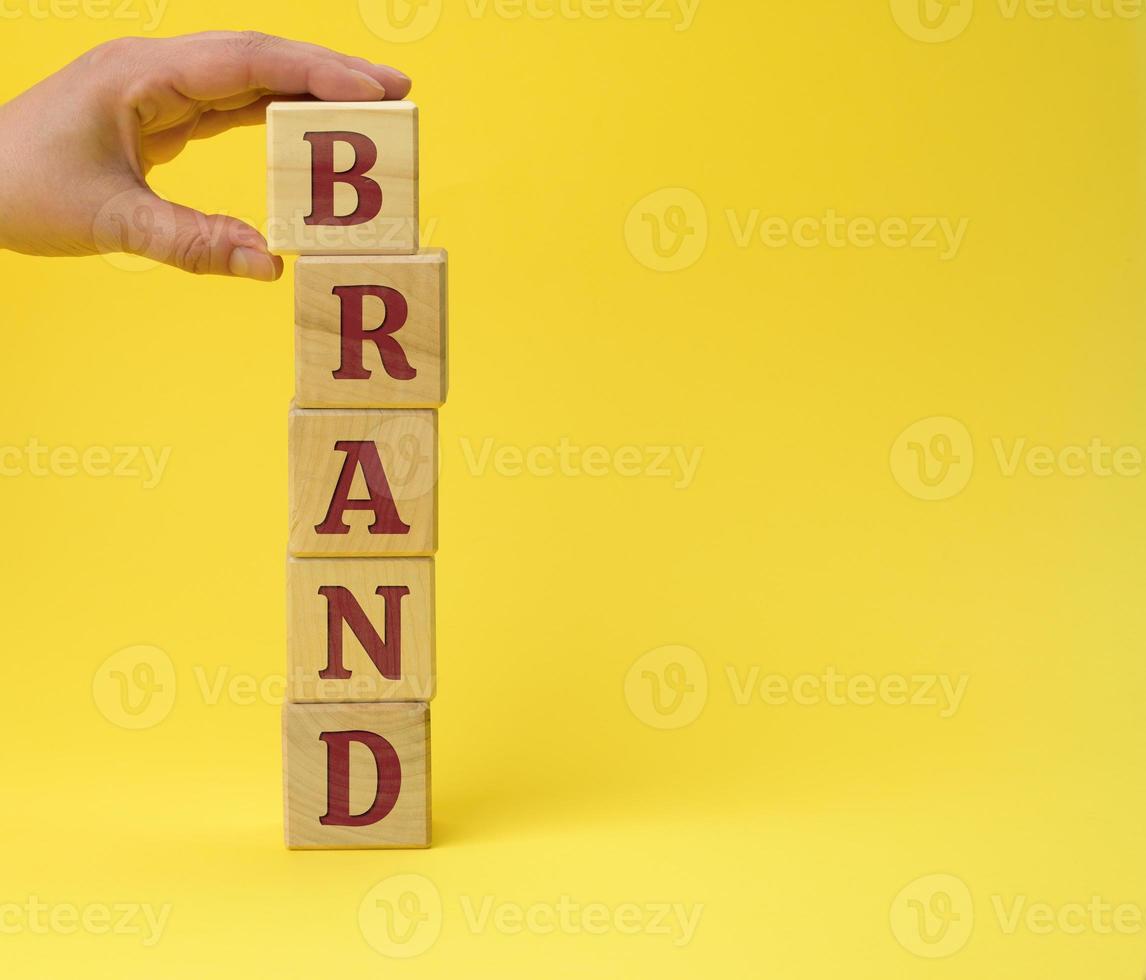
[363, 483]
[342, 177]
[357, 775]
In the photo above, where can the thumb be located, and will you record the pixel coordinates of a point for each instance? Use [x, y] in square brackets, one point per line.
[145, 224]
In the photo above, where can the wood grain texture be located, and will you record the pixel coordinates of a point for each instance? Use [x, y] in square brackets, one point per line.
[334, 294]
[316, 586]
[322, 446]
[392, 128]
[402, 729]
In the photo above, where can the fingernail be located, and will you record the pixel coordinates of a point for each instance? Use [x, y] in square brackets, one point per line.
[400, 75]
[374, 85]
[249, 263]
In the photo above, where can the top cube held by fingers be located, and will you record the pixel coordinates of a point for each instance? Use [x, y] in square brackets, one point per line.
[342, 178]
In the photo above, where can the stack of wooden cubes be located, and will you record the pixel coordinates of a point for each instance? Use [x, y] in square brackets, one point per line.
[370, 349]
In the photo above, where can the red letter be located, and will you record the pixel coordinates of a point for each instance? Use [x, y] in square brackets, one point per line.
[338, 779]
[380, 501]
[323, 177]
[341, 606]
[394, 358]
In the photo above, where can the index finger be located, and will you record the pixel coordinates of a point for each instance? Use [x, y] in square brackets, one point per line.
[222, 64]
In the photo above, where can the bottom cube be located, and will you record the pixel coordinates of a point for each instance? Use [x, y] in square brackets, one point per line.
[357, 775]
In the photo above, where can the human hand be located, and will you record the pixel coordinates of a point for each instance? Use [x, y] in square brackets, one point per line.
[75, 150]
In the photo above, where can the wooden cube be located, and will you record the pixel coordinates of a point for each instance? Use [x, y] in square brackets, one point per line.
[370, 331]
[342, 177]
[363, 483]
[360, 629]
[356, 775]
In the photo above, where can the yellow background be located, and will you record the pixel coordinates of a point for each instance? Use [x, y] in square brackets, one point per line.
[795, 548]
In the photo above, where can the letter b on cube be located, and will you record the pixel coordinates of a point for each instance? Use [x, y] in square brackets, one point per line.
[342, 177]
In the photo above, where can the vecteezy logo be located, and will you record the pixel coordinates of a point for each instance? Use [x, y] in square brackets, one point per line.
[132, 223]
[400, 20]
[933, 458]
[401, 916]
[932, 21]
[667, 230]
[933, 916]
[135, 688]
[667, 687]
[404, 442]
